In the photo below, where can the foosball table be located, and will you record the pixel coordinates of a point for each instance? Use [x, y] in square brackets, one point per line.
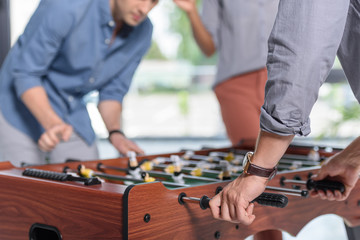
[162, 196]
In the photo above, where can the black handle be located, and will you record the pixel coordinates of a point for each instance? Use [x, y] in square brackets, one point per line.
[45, 174]
[59, 176]
[265, 199]
[325, 185]
[272, 200]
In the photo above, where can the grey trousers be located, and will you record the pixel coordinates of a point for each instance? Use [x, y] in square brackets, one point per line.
[306, 37]
[19, 149]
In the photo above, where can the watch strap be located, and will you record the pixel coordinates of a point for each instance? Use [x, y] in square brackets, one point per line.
[115, 131]
[260, 171]
[256, 170]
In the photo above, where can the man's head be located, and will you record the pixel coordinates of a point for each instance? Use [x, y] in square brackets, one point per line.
[132, 12]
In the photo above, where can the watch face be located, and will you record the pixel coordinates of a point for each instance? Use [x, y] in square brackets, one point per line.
[244, 161]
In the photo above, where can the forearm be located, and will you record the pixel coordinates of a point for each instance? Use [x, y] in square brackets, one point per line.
[201, 35]
[351, 154]
[36, 100]
[270, 148]
[110, 112]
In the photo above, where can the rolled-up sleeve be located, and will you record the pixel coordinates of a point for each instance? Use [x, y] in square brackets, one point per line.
[302, 49]
[210, 15]
[50, 24]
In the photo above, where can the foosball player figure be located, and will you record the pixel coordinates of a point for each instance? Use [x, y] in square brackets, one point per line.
[175, 169]
[134, 169]
[225, 173]
[226, 156]
[314, 155]
[147, 177]
[147, 166]
[188, 154]
[196, 172]
[85, 172]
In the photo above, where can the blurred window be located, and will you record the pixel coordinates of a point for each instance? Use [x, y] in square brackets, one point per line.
[171, 93]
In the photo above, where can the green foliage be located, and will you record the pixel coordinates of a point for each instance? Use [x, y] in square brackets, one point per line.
[347, 111]
[350, 112]
[188, 49]
[154, 52]
[183, 97]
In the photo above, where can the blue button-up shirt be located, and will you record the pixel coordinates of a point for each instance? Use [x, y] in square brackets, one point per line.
[66, 49]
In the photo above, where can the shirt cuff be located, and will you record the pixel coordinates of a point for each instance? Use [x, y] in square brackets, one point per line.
[24, 83]
[117, 97]
[272, 125]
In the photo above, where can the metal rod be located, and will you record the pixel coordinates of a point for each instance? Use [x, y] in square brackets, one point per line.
[101, 166]
[289, 191]
[191, 199]
[173, 184]
[290, 194]
[294, 181]
[118, 177]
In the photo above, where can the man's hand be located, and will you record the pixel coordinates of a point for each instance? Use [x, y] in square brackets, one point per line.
[37, 101]
[124, 145]
[338, 168]
[233, 202]
[52, 136]
[188, 6]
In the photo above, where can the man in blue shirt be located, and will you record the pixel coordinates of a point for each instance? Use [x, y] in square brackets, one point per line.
[68, 49]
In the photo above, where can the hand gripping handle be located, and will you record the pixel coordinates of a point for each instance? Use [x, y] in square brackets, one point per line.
[325, 185]
[265, 199]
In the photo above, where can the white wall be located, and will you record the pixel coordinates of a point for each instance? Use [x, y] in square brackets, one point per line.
[20, 13]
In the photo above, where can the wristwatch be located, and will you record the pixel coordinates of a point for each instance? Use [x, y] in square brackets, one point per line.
[250, 168]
